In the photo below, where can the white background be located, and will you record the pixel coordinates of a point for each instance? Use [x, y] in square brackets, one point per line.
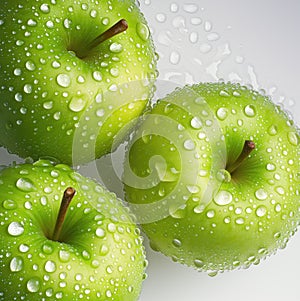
[257, 42]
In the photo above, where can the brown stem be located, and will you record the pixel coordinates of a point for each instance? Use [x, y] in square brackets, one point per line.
[249, 146]
[66, 200]
[119, 27]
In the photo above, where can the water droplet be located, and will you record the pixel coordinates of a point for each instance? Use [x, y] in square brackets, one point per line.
[199, 209]
[48, 105]
[64, 256]
[272, 130]
[270, 167]
[280, 190]
[175, 57]
[47, 248]
[33, 285]
[15, 229]
[9, 204]
[27, 88]
[261, 211]
[177, 243]
[103, 250]
[193, 189]
[207, 26]
[25, 185]
[250, 111]
[293, 138]
[223, 198]
[30, 65]
[114, 72]
[23, 248]
[100, 232]
[189, 144]
[196, 21]
[45, 8]
[77, 104]
[210, 213]
[63, 80]
[223, 176]
[50, 266]
[18, 97]
[116, 47]
[17, 72]
[278, 208]
[261, 194]
[97, 76]
[198, 263]
[16, 264]
[222, 113]
[161, 17]
[108, 294]
[143, 31]
[174, 7]
[196, 123]
[50, 24]
[194, 37]
[240, 221]
[190, 8]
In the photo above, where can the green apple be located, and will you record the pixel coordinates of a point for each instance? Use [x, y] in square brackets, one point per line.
[90, 250]
[72, 74]
[213, 176]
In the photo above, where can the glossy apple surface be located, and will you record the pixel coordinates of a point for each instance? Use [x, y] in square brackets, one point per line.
[195, 203]
[98, 255]
[61, 95]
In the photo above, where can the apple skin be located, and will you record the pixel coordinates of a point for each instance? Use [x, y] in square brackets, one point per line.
[99, 256]
[244, 216]
[58, 105]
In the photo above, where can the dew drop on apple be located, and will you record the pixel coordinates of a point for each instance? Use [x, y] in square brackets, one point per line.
[272, 130]
[223, 198]
[25, 185]
[28, 88]
[293, 138]
[177, 243]
[261, 194]
[261, 211]
[198, 263]
[104, 250]
[33, 285]
[47, 248]
[23, 248]
[196, 123]
[64, 256]
[63, 80]
[240, 221]
[100, 232]
[222, 113]
[210, 213]
[143, 31]
[18, 97]
[250, 111]
[116, 47]
[9, 204]
[77, 104]
[199, 209]
[17, 72]
[189, 145]
[30, 65]
[97, 76]
[45, 8]
[16, 264]
[50, 266]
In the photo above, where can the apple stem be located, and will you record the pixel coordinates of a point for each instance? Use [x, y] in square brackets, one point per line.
[66, 200]
[119, 27]
[249, 146]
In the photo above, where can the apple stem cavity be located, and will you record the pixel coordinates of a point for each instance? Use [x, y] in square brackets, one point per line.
[66, 200]
[249, 146]
[116, 29]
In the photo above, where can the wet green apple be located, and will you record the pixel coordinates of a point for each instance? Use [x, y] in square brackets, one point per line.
[73, 74]
[213, 176]
[64, 237]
